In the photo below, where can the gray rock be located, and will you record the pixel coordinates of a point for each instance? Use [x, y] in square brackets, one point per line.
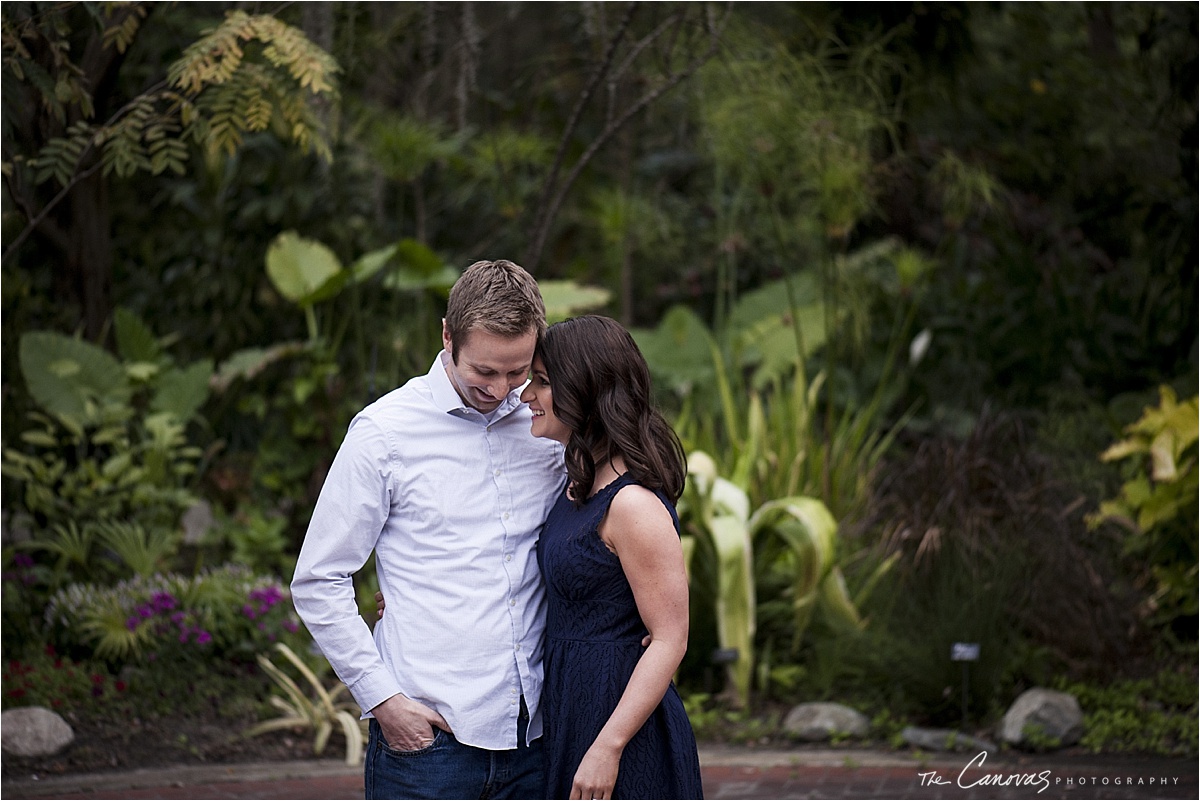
[34, 731]
[822, 721]
[1054, 717]
[945, 740]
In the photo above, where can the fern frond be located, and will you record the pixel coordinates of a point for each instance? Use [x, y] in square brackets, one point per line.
[140, 549]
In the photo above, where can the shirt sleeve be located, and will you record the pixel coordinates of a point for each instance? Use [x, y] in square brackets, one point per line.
[350, 514]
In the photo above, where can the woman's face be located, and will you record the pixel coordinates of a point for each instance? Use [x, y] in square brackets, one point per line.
[541, 402]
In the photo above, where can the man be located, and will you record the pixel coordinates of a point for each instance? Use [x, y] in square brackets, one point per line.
[443, 481]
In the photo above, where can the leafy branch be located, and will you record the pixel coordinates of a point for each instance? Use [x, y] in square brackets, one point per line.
[220, 89]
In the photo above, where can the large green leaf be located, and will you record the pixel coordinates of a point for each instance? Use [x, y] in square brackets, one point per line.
[135, 341]
[70, 378]
[303, 270]
[182, 391]
[735, 596]
[809, 530]
[418, 267]
[249, 362]
[564, 299]
[679, 349]
[368, 264]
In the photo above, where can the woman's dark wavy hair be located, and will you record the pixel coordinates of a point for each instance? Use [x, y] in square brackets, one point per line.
[601, 388]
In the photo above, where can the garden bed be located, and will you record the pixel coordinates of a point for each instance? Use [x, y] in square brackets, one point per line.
[110, 744]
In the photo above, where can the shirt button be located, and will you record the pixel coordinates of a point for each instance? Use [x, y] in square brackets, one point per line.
[512, 601]
[518, 647]
[508, 557]
[506, 515]
[497, 471]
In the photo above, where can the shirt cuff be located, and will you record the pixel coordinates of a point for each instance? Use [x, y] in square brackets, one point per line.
[373, 689]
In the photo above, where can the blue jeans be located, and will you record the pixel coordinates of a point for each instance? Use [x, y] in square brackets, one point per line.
[449, 769]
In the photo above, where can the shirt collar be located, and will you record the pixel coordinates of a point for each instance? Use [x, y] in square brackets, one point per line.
[446, 397]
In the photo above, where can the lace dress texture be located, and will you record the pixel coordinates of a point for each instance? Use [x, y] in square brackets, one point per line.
[593, 642]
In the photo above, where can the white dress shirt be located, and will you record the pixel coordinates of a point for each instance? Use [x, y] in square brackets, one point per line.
[452, 503]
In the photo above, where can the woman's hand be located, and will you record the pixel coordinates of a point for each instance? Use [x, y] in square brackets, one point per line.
[597, 774]
[379, 606]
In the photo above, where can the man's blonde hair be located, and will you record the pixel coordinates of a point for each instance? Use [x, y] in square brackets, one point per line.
[499, 297]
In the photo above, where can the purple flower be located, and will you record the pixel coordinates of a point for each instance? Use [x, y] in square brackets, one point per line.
[266, 597]
[132, 623]
[163, 602]
[23, 560]
[202, 637]
[291, 626]
[145, 611]
[249, 612]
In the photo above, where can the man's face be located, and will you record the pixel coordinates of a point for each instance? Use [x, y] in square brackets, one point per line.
[489, 366]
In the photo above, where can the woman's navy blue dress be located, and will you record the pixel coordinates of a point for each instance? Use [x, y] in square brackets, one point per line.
[593, 641]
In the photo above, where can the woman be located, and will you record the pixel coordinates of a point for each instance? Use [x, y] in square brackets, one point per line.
[613, 567]
[616, 588]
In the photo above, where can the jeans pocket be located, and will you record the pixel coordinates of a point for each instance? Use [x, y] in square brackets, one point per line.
[438, 738]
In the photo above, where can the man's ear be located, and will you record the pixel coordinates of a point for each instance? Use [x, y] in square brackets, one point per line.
[446, 337]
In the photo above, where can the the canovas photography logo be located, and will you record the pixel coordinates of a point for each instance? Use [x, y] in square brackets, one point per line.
[976, 774]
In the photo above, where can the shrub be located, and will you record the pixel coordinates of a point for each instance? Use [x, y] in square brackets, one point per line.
[1150, 716]
[1157, 506]
[223, 614]
[56, 682]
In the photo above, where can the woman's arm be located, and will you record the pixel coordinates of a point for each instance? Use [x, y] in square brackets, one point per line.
[639, 529]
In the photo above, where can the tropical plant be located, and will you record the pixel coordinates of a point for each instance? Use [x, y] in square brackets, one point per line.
[106, 468]
[1158, 505]
[729, 552]
[320, 712]
[743, 393]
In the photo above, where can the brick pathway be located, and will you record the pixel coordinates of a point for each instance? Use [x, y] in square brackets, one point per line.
[733, 773]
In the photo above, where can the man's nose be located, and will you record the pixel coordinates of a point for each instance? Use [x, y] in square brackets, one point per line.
[499, 389]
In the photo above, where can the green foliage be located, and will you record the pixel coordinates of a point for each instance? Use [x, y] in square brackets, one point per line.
[320, 713]
[1077, 268]
[1034, 735]
[106, 468]
[794, 134]
[59, 683]
[250, 73]
[565, 299]
[226, 614]
[731, 552]
[714, 515]
[714, 722]
[1156, 715]
[1158, 506]
[258, 541]
[231, 95]
[983, 553]
[72, 379]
